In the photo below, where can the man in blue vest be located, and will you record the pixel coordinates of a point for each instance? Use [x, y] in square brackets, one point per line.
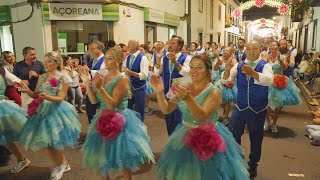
[253, 78]
[160, 52]
[137, 67]
[286, 49]
[94, 65]
[240, 53]
[200, 48]
[173, 65]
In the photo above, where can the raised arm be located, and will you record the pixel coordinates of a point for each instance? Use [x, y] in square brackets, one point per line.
[165, 106]
[200, 112]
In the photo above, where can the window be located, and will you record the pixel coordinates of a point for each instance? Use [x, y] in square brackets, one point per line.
[219, 12]
[200, 5]
[172, 31]
[211, 14]
[314, 37]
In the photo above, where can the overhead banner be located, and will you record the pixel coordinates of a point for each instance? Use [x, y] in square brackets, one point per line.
[160, 17]
[85, 12]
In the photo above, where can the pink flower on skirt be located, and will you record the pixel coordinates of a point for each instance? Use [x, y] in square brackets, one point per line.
[54, 82]
[205, 141]
[33, 106]
[110, 124]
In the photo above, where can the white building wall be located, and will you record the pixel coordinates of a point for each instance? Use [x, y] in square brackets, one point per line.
[218, 25]
[129, 27]
[198, 22]
[170, 6]
[182, 30]
[28, 33]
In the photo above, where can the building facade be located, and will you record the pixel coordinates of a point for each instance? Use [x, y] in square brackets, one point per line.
[70, 25]
[305, 31]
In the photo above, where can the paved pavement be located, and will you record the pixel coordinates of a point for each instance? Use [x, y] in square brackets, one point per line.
[288, 152]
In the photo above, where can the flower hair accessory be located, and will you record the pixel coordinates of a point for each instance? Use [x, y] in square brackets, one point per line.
[205, 141]
[110, 124]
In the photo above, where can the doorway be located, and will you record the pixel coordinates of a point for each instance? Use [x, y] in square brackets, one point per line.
[150, 33]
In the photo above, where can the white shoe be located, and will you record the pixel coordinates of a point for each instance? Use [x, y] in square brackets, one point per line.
[266, 125]
[67, 168]
[20, 166]
[58, 171]
[274, 128]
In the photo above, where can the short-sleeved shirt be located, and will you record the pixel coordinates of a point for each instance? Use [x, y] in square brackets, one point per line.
[21, 70]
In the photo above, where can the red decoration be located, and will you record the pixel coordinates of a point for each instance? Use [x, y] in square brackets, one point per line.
[229, 85]
[280, 81]
[205, 141]
[263, 25]
[275, 25]
[110, 124]
[33, 106]
[283, 9]
[54, 82]
[263, 20]
[237, 12]
[260, 3]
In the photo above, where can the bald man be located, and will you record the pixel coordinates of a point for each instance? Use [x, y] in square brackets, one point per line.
[253, 76]
[136, 66]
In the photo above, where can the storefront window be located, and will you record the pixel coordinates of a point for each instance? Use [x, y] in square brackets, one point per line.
[72, 37]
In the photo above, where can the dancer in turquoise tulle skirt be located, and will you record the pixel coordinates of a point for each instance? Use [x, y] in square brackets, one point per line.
[117, 140]
[229, 90]
[201, 148]
[52, 123]
[12, 119]
[279, 96]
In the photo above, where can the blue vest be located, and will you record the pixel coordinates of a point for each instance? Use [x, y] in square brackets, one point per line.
[244, 56]
[136, 83]
[155, 56]
[250, 95]
[167, 76]
[97, 66]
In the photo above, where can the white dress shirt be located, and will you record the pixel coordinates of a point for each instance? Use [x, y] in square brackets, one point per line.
[265, 78]
[144, 66]
[201, 50]
[293, 56]
[184, 70]
[11, 78]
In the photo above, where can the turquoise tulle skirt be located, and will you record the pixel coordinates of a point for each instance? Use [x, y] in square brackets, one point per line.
[53, 125]
[12, 119]
[149, 88]
[229, 95]
[180, 162]
[215, 75]
[130, 149]
[284, 97]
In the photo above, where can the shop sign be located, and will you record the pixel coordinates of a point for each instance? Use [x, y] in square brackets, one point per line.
[153, 15]
[160, 17]
[5, 13]
[65, 11]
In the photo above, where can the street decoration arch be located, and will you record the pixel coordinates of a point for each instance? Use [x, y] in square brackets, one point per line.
[282, 8]
[265, 23]
[265, 27]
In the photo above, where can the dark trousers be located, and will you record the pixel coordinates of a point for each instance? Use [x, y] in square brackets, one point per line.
[138, 99]
[91, 109]
[172, 120]
[255, 126]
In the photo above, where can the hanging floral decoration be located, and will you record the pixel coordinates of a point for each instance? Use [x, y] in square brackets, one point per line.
[260, 3]
[263, 20]
[237, 12]
[284, 9]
